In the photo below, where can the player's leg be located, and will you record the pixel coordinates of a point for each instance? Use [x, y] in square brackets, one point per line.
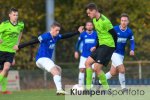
[121, 76]
[81, 76]
[93, 75]
[89, 71]
[116, 61]
[6, 59]
[112, 72]
[118, 67]
[101, 75]
[104, 54]
[48, 65]
[4, 81]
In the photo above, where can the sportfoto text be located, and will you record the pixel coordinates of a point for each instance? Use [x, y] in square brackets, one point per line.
[108, 92]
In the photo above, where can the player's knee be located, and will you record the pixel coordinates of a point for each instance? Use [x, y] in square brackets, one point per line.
[59, 69]
[113, 73]
[82, 70]
[6, 68]
[87, 64]
[121, 69]
[55, 71]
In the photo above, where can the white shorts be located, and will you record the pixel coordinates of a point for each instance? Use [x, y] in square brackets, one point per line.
[117, 59]
[45, 64]
[82, 62]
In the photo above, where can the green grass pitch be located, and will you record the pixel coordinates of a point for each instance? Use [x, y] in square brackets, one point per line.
[33, 95]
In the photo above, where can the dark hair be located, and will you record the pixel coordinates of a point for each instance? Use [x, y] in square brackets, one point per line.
[124, 15]
[91, 6]
[88, 22]
[55, 24]
[13, 10]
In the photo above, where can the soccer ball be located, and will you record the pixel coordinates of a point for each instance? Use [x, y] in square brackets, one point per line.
[78, 87]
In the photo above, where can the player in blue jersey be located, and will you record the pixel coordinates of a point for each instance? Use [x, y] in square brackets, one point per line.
[89, 39]
[45, 51]
[124, 33]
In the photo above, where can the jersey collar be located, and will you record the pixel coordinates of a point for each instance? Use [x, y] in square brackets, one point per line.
[121, 29]
[13, 24]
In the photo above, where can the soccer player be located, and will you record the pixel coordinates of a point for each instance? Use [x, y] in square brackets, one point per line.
[124, 33]
[107, 38]
[43, 57]
[10, 35]
[89, 39]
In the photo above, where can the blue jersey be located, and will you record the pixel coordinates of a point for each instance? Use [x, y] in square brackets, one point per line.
[123, 36]
[89, 41]
[47, 44]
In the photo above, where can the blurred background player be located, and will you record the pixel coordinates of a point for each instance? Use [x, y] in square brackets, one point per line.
[107, 38]
[124, 33]
[10, 35]
[89, 40]
[44, 54]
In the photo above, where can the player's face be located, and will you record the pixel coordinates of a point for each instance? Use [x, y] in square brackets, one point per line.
[55, 30]
[89, 26]
[124, 21]
[13, 16]
[91, 13]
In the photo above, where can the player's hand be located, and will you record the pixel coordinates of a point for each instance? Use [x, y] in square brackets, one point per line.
[13, 63]
[16, 47]
[131, 53]
[93, 49]
[81, 29]
[1, 41]
[76, 55]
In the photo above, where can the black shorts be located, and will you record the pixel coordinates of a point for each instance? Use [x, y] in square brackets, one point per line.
[5, 57]
[102, 54]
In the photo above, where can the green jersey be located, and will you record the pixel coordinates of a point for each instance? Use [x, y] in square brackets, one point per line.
[9, 34]
[102, 26]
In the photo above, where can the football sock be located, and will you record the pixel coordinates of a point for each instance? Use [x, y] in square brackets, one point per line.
[88, 78]
[1, 78]
[122, 80]
[4, 84]
[103, 80]
[93, 78]
[57, 81]
[81, 78]
[108, 75]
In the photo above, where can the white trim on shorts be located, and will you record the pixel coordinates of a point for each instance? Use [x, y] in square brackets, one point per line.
[117, 59]
[45, 64]
[82, 62]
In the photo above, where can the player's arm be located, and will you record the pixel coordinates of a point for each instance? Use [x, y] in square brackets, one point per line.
[132, 45]
[1, 38]
[19, 38]
[36, 40]
[110, 29]
[76, 54]
[114, 35]
[2, 28]
[31, 42]
[68, 35]
[97, 43]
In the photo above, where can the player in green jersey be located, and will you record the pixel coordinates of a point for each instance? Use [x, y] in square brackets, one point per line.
[107, 38]
[10, 35]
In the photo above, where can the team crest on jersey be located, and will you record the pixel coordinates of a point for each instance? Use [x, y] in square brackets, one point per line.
[85, 36]
[52, 46]
[50, 41]
[118, 33]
